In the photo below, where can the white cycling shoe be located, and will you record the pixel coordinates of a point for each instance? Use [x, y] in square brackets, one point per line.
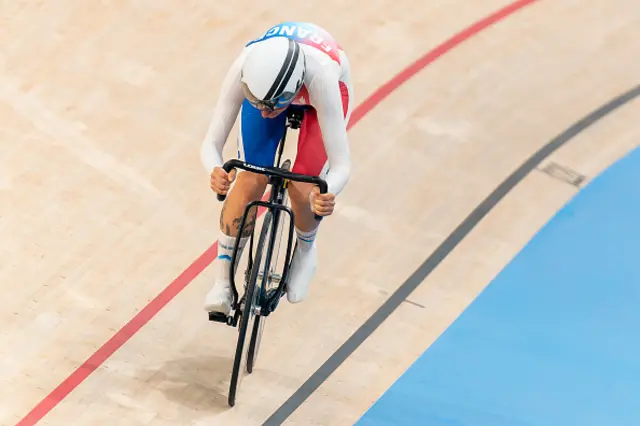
[219, 298]
[303, 268]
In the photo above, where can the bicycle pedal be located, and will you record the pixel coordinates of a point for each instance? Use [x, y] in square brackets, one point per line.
[218, 317]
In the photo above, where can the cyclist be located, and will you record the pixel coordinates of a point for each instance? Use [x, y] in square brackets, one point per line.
[293, 63]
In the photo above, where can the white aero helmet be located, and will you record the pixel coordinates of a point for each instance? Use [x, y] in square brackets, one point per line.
[273, 73]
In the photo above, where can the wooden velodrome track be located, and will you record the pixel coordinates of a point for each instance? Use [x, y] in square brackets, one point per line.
[104, 204]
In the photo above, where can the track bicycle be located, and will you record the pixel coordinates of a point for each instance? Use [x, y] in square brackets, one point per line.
[263, 285]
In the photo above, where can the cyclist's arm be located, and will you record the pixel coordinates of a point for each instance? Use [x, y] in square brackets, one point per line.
[224, 116]
[327, 100]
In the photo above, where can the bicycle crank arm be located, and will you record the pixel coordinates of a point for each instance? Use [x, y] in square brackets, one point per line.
[273, 278]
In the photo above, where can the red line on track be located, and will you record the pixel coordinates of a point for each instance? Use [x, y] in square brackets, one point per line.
[172, 290]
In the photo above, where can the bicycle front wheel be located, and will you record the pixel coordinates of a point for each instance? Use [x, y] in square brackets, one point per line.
[248, 315]
[267, 287]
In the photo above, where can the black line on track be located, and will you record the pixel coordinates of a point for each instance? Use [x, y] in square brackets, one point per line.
[443, 250]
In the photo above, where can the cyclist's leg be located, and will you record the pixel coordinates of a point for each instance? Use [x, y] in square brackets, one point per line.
[258, 140]
[311, 160]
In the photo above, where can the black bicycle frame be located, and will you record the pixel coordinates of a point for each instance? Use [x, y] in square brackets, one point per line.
[275, 206]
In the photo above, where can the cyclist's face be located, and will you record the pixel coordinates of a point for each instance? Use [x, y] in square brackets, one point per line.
[266, 111]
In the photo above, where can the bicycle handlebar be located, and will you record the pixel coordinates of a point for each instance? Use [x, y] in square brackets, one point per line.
[274, 171]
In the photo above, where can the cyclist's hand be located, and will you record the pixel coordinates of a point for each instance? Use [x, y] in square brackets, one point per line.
[322, 204]
[221, 181]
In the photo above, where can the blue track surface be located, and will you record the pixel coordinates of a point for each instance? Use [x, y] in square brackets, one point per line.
[554, 339]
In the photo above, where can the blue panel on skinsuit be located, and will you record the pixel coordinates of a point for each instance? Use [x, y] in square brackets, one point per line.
[554, 339]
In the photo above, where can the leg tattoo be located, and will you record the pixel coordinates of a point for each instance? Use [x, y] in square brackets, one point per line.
[232, 227]
[250, 223]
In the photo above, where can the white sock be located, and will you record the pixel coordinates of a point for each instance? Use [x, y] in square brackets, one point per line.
[306, 239]
[225, 251]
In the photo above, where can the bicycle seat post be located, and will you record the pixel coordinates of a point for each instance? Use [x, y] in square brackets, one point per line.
[295, 117]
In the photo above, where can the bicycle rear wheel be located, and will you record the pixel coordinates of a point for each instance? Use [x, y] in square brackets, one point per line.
[248, 316]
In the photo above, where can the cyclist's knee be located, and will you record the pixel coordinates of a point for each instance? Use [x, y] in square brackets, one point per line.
[250, 186]
[301, 206]
[299, 195]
